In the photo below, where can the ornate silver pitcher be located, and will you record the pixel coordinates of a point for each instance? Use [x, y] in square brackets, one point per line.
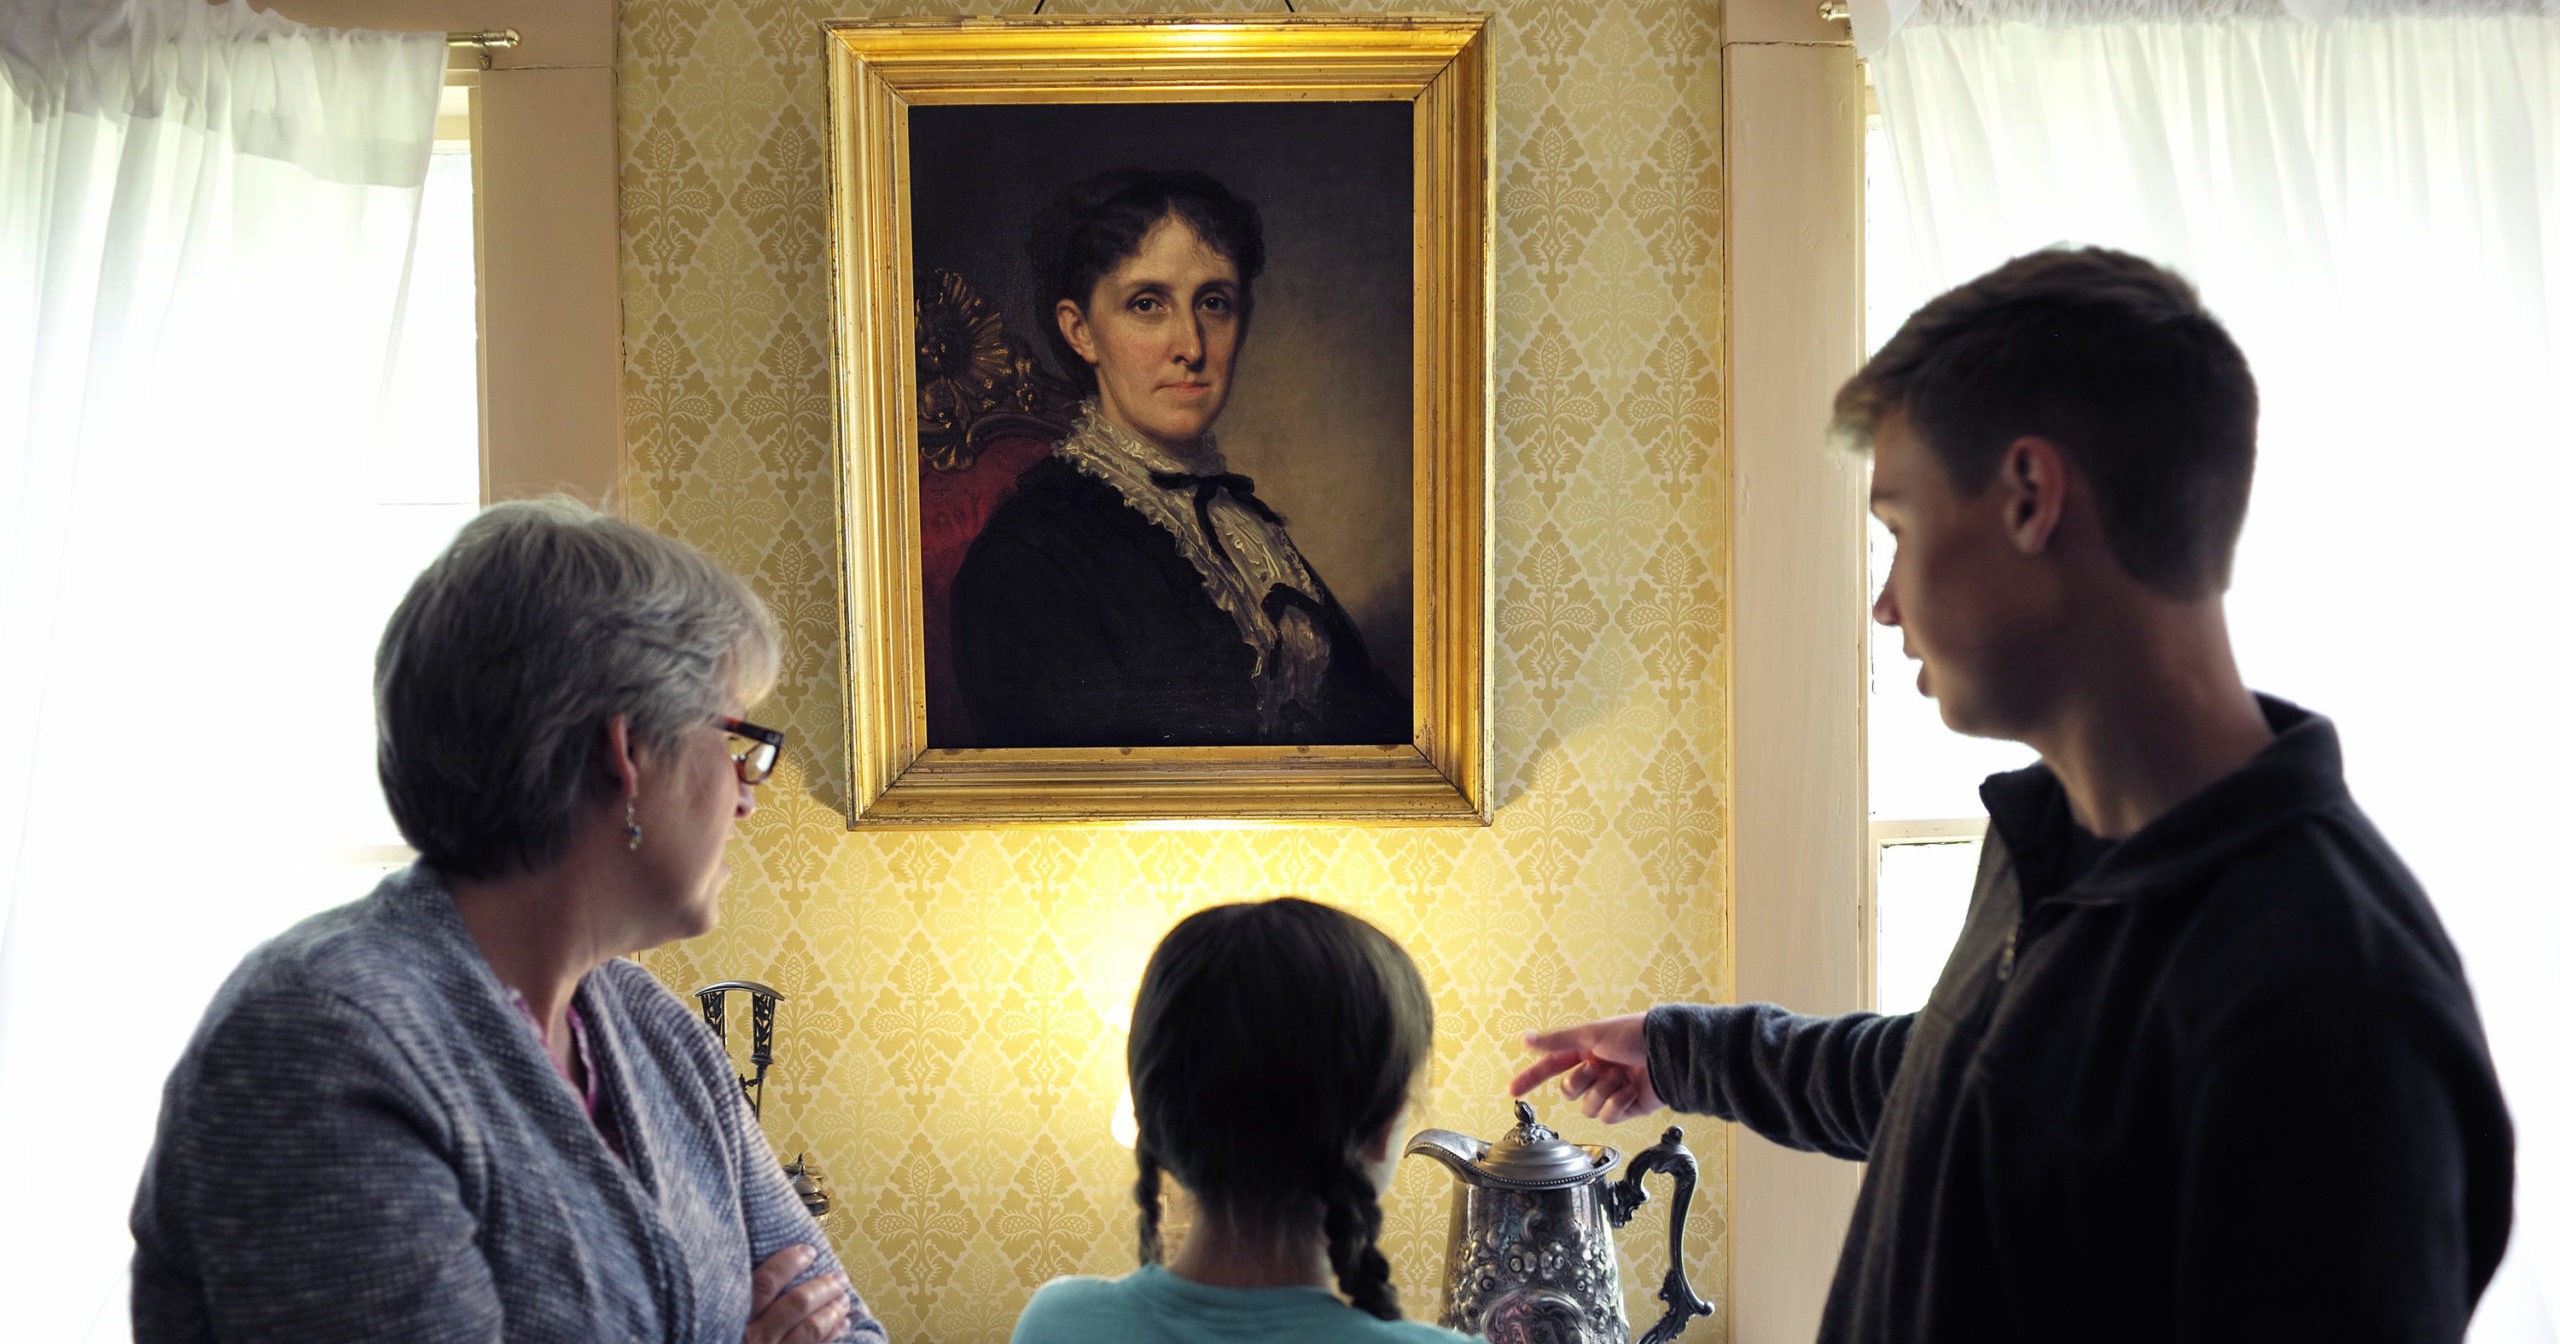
[1531, 1260]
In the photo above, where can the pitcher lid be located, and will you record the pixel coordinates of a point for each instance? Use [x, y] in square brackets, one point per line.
[1530, 1157]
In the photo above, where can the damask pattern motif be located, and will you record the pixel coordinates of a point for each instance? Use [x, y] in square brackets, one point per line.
[950, 1052]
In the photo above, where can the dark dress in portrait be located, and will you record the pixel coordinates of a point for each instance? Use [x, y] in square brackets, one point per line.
[1077, 621]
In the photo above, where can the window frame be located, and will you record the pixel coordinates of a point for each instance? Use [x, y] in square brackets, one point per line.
[1802, 857]
[546, 190]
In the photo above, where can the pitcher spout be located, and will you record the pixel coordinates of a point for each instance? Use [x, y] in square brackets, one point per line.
[1451, 1149]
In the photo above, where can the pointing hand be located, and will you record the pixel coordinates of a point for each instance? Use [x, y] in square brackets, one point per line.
[1603, 1064]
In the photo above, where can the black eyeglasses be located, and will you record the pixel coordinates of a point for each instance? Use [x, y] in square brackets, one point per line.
[754, 747]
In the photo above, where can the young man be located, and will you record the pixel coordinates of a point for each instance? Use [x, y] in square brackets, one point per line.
[2202, 1064]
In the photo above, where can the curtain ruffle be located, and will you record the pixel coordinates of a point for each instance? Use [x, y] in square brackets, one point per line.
[1874, 22]
[339, 104]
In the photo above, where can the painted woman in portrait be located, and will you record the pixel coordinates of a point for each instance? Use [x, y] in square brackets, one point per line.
[1132, 591]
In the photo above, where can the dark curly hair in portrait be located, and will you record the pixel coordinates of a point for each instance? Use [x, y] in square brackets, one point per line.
[1271, 1043]
[1098, 222]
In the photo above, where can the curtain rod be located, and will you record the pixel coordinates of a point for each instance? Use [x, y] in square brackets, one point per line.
[496, 39]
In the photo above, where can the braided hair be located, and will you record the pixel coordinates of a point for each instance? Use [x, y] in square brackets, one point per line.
[1150, 1192]
[1271, 1043]
[1351, 1218]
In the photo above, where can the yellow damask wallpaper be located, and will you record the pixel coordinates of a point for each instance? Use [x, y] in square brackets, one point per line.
[950, 1051]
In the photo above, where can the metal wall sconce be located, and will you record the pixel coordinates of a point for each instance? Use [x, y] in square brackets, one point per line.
[715, 1015]
[807, 1181]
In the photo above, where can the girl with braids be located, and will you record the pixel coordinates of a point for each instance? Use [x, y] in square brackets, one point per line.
[1273, 1054]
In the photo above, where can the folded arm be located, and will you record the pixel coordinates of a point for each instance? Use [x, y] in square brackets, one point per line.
[795, 1300]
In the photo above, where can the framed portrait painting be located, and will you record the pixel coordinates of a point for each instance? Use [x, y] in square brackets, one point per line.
[1162, 374]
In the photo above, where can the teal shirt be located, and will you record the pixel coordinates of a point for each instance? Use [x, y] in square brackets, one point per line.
[1156, 1306]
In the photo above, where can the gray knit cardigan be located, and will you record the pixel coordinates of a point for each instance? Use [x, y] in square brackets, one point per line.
[365, 1141]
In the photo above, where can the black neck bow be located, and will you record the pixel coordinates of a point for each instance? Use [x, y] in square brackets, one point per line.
[1204, 488]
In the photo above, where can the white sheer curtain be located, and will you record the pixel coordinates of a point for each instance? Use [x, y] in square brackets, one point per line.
[205, 221]
[2372, 204]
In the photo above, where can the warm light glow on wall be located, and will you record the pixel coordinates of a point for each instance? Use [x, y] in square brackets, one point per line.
[1117, 963]
[1124, 1120]
[1198, 824]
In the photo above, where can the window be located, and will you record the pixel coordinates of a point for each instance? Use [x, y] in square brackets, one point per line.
[1924, 819]
[228, 567]
[2366, 205]
[423, 482]
[214, 528]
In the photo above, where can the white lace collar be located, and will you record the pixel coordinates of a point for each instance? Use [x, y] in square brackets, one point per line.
[1239, 566]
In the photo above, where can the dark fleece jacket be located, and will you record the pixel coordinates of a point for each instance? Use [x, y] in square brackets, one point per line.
[2227, 1084]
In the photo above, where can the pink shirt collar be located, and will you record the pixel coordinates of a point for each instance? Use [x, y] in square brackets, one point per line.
[580, 1072]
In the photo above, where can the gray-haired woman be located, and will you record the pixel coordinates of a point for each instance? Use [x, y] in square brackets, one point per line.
[450, 1111]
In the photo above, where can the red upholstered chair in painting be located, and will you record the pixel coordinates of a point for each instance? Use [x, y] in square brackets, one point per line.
[985, 411]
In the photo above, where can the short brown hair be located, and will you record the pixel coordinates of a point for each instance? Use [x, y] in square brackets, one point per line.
[2113, 359]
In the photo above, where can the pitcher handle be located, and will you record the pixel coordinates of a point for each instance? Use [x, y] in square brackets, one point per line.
[1680, 1303]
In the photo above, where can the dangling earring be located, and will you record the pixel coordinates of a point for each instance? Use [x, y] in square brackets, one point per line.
[631, 821]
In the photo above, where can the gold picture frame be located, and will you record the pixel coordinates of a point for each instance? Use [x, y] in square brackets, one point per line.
[877, 72]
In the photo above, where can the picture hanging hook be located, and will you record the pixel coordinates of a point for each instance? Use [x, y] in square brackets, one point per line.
[1290, 5]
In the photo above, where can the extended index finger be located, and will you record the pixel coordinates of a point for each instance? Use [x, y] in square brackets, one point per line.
[1579, 1036]
[1543, 1068]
